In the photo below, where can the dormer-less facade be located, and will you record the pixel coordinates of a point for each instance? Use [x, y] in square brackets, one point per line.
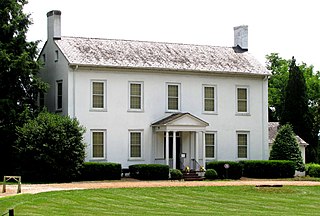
[149, 102]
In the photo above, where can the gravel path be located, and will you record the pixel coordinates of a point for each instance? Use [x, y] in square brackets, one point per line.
[128, 182]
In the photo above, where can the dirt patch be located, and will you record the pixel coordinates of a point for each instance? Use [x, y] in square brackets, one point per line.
[129, 182]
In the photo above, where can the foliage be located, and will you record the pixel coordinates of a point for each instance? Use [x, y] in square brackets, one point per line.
[233, 172]
[50, 148]
[149, 171]
[231, 200]
[211, 174]
[92, 171]
[19, 81]
[268, 169]
[175, 174]
[313, 170]
[303, 109]
[286, 147]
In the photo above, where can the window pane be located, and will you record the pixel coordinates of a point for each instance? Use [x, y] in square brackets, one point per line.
[98, 95]
[209, 92]
[97, 88]
[97, 144]
[172, 90]
[135, 144]
[135, 89]
[242, 145]
[135, 102]
[135, 96]
[210, 151]
[242, 106]
[209, 139]
[242, 93]
[208, 105]
[97, 101]
[242, 151]
[59, 95]
[135, 151]
[173, 103]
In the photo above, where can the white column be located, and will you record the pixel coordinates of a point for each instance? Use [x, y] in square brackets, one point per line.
[196, 151]
[167, 147]
[204, 148]
[174, 150]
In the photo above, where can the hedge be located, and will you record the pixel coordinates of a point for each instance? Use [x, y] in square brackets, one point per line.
[268, 168]
[313, 170]
[149, 171]
[233, 172]
[100, 171]
[175, 174]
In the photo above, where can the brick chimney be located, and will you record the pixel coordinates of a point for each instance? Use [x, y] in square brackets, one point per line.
[241, 36]
[54, 25]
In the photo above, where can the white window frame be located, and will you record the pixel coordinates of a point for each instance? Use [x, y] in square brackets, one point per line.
[141, 144]
[248, 100]
[57, 97]
[247, 133]
[215, 99]
[104, 144]
[167, 97]
[214, 146]
[141, 97]
[104, 108]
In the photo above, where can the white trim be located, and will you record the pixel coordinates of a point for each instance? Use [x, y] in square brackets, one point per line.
[142, 96]
[179, 96]
[214, 145]
[104, 109]
[215, 99]
[247, 133]
[104, 131]
[248, 99]
[141, 131]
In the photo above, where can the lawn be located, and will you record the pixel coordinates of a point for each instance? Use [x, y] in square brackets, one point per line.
[235, 200]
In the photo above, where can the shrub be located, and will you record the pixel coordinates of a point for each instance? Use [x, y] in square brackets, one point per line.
[211, 174]
[286, 147]
[175, 174]
[50, 148]
[92, 171]
[313, 170]
[233, 172]
[149, 171]
[268, 169]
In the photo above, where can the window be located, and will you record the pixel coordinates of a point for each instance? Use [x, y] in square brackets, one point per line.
[243, 144]
[242, 100]
[210, 145]
[56, 56]
[59, 95]
[135, 96]
[98, 95]
[43, 58]
[135, 144]
[209, 99]
[98, 147]
[173, 91]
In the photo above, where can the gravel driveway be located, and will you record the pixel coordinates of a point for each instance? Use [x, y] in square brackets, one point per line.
[128, 182]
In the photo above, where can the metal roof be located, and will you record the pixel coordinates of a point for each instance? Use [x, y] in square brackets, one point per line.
[161, 56]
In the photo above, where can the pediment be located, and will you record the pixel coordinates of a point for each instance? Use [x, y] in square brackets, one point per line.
[181, 119]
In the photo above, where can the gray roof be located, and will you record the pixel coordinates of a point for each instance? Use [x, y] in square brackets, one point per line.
[155, 55]
[273, 131]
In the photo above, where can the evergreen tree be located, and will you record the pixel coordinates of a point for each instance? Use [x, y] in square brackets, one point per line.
[286, 147]
[19, 84]
[295, 108]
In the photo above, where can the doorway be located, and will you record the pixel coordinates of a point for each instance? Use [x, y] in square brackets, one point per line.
[178, 148]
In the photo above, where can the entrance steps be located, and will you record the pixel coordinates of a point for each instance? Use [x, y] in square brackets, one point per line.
[192, 176]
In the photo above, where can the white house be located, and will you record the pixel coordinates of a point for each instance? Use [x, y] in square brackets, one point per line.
[151, 102]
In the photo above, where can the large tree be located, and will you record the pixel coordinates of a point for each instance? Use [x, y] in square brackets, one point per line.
[19, 84]
[294, 92]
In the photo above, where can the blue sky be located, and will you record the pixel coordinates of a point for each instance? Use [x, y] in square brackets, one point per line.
[288, 27]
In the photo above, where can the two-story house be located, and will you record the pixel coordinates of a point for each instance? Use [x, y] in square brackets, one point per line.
[151, 102]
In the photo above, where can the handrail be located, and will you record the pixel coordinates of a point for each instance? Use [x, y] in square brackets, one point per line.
[196, 164]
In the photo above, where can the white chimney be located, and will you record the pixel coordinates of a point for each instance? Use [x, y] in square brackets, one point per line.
[54, 24]
[241, 36]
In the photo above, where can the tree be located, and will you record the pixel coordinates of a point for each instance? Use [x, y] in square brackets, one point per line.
[50, 148]
[286, 147]
[308, 104]
[19, 83]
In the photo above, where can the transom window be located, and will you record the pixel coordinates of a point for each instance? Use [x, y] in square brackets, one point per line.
[135, 144]
[209, 99]
[210, 145]
[242, 145]
[136, 95]
[242, 100]
[98, 138]
[173, 92]
[98, 95]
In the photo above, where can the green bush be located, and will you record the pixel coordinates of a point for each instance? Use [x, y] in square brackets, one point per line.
[149, 171]
[268, 168]
[175, 174]
[211, 174]
[92, 171]
[233, 172]
[50, 148]
[313, 170]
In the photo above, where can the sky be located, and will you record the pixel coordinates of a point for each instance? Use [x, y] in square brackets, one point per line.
[288, 27]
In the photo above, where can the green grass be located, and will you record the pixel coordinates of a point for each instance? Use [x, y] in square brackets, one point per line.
[237, 200]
